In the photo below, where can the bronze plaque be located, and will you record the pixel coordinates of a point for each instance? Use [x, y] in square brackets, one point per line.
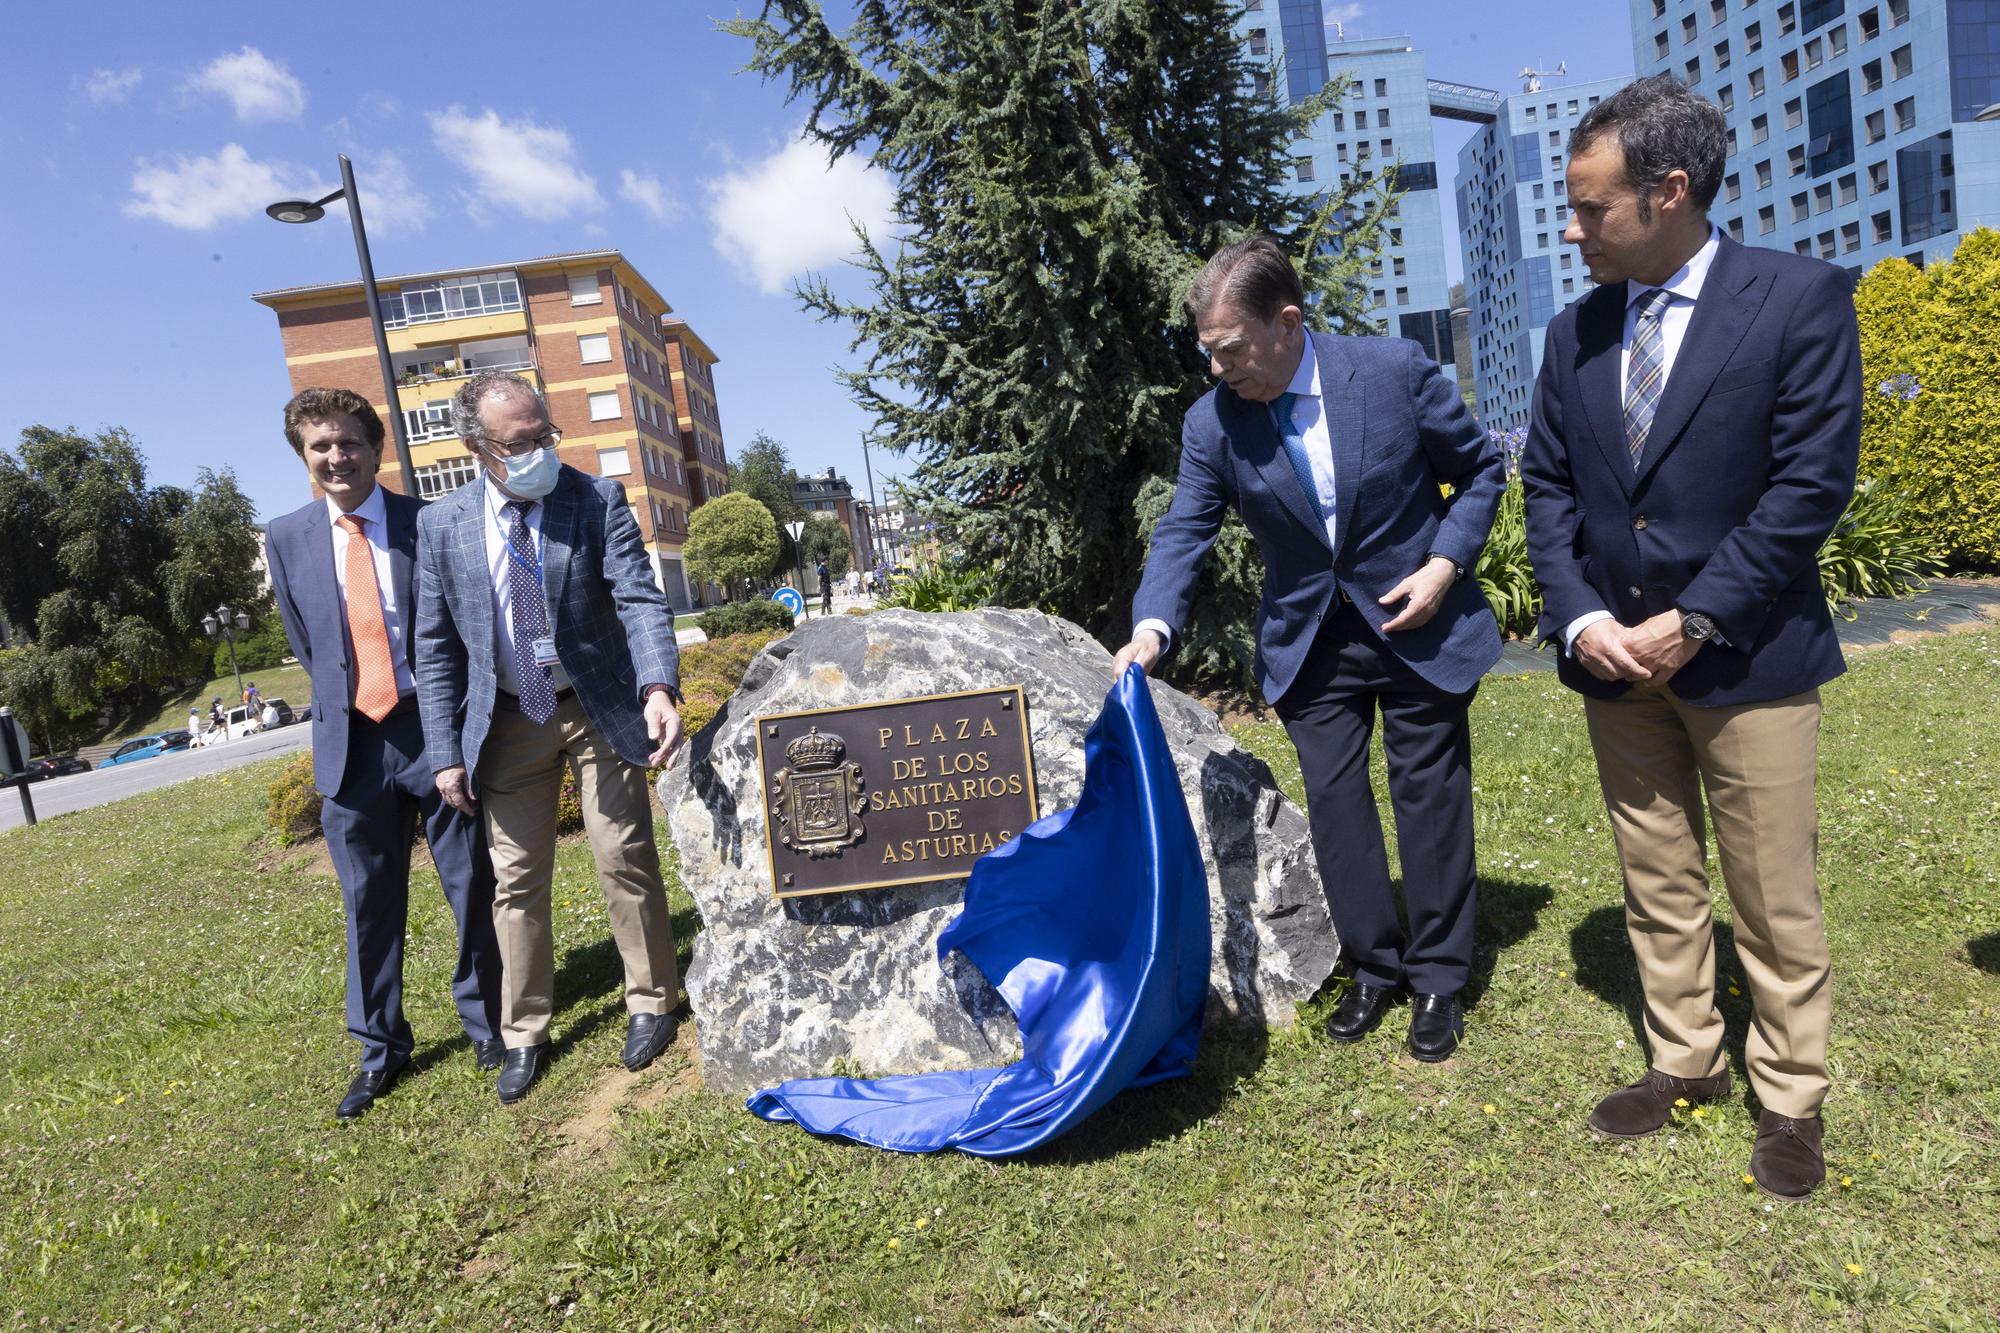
[871, 795]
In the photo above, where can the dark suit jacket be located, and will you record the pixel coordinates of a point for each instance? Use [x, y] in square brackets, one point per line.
[1399, 428]
[1748, 466]
[298, 548]
[613, 628]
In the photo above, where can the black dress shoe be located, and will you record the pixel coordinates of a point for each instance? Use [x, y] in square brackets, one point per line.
[520, 1070]
[366, 1087]
[489, 1055]
[647, 1038]
[1436, 1024]
[1360, 1011]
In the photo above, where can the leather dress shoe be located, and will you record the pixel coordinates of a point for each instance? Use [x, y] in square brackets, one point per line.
[1436, 1024]
[489, 1055]
[366, 1087]
[1644, 1107]
[647, 1038]
[1788, 1161]
[521, 1068]
[1360, 1011]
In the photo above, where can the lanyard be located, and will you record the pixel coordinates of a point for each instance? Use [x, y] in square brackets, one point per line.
[514, 553]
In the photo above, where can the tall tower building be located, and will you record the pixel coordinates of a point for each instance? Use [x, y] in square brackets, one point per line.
[1859, 129]
[585, 328]
[1512, 208]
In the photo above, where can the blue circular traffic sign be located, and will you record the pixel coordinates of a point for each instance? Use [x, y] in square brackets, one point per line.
[789, 598]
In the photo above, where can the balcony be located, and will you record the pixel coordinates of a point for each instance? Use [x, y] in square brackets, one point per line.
[450, 361]
[453, 298]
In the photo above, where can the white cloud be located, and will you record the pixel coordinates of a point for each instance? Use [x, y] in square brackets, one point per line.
[648, 194]
[390, 198]
[111, 85]
[1338, 13]
[517, 164]
[258, 87]
[777, 218]
[196, 193]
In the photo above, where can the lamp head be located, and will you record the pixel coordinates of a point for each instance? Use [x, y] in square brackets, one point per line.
[296, 210]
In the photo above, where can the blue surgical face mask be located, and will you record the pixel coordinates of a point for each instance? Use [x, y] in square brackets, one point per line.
[534, 475]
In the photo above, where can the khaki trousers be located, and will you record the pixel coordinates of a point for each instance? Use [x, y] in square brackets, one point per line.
[1757, 763]
[520, 777]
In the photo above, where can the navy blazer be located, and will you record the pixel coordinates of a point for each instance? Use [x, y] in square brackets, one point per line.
[1749, 464]
[1399, 429]
[298, 549]
[613, 628]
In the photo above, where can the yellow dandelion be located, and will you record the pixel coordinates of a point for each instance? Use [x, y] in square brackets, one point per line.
[1854, 1270]
[1700, 1111]
[1892, 772]
[1680, 1101]
[1488, 1108]
[923, 1222]
[895, 1244]
[119, 1100]
[1847, 1182]
[1562, 976]
[1749, 1179]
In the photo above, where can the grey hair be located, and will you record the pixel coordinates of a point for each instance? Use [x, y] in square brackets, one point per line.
[465, 403]
[1662, 126]
[1254, 276]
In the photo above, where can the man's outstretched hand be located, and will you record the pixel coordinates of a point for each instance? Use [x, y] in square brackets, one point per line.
[1145, 649]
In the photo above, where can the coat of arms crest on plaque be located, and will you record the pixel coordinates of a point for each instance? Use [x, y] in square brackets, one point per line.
[816, 800]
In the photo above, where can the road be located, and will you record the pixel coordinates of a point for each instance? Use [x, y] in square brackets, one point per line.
[81, 791]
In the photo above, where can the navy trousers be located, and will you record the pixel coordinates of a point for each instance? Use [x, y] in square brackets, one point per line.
[369, 826]
[1426, 738]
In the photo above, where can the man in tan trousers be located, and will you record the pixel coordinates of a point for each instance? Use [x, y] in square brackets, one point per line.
[1694, 436]
[544, 643]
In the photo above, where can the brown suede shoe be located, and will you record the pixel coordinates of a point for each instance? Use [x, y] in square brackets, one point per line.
[1788, 1161]
[1634, 1112]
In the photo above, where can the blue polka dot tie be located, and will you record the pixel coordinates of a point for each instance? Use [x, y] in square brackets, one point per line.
[529, 616]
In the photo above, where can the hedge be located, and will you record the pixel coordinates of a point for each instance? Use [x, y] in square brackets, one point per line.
[745, 617]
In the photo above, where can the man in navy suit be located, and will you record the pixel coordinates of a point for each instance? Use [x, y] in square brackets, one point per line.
[341, 569]
[1694, 437]
[543, 644]
[1332, 449]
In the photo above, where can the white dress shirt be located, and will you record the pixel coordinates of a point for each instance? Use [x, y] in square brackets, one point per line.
[1309, 421]
[499, 523]
[1683, 290]
[374, 515]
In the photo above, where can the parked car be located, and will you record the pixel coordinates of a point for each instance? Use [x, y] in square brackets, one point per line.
[146, 747]
[285, 714]
[55, 766]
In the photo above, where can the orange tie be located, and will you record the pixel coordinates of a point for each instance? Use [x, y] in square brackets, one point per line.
[374, 669]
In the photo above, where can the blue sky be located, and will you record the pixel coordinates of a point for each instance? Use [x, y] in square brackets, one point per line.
[139, 143]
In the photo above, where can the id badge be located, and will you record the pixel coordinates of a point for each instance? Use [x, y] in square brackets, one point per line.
[545, 651]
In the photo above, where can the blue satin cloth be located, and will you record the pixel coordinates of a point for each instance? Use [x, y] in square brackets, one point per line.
[1095, 924]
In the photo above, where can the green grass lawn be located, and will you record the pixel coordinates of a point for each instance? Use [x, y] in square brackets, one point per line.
[289, 683]
[171, 1049]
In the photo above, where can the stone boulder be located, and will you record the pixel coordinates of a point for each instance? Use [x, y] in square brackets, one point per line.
[851, 982]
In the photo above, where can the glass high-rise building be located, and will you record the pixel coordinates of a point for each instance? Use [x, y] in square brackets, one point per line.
[1860, 129]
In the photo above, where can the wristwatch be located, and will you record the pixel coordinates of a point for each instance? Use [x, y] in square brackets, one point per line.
[1458, 570]
[1696, 626]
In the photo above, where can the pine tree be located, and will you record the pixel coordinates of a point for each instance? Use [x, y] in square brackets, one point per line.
[1062, 170]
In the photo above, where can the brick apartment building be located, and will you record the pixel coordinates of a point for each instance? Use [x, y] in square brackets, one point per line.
[586, 328]
[829, 493]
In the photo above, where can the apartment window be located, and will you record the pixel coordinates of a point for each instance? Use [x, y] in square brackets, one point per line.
[1906, 114]
[1788, 20]
[1725, 97]
[583, 289]
[1826, 250]
[1803, 247]
[1848, 192]
[1538, 191]
[1764, 174]
[1718, 12]
[1566, 260]
[1814, 57]
[1381, 87]
[1340, 152]
[1302, 167]
[1530, 112]
[1870, 24]
[1360, 120]
[1767, 220]
[1735, 230]
[1541, 217]
[1729, 136]
[1340, 120]
[1756, 84]
[1899, 63]
[1753, 39]
[1693, 71]
[1788, 65]
[614, 463]
[1795, 111]
[1878, 177]
[1687, 29]
[1260, 45]
[1822, 197]
[1881, 228]
[1388, 148]
[1402, 296]
[1871, 127]
[1899, 13]
[1836, 42]
[1395, 235]
[451, 298]
[1850, 237]
[1732, 188]
[604, 406]
[1871, 76]
[1721, 55]
[1760, 129]
[435, 479]
[1555, 138]
[1659, 9]
[1397, 266]
[1795, 160]
[1801, 208]
[1382, 118]
[592, 348]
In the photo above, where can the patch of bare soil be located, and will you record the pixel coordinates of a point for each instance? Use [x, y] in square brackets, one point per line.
[618, 1092]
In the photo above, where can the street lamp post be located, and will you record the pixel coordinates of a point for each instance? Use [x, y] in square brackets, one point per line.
[312, 210]
[797, 529]
[223, 623]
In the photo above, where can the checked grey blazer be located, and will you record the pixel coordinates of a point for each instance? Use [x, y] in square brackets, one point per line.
[613, 628]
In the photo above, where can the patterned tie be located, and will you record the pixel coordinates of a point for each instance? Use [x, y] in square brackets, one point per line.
[374, 669]
[1646, 372]
[529, 616]
[1295, 449]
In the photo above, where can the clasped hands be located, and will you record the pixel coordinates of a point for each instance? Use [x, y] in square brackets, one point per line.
[1421, 594]
[1648, 653]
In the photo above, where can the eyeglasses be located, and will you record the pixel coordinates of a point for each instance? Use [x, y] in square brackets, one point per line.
[521, 448]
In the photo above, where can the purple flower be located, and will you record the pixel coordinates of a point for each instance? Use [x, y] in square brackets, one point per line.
[1904, 387]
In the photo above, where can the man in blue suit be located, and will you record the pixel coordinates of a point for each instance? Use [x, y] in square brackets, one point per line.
[342, 572]
[543, 644]
[1695, 431]
[1333, 449]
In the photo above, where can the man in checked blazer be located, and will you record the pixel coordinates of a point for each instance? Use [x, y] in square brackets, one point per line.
[1694, 437]
[544, 643]
[1333, 450]
[342, 570]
